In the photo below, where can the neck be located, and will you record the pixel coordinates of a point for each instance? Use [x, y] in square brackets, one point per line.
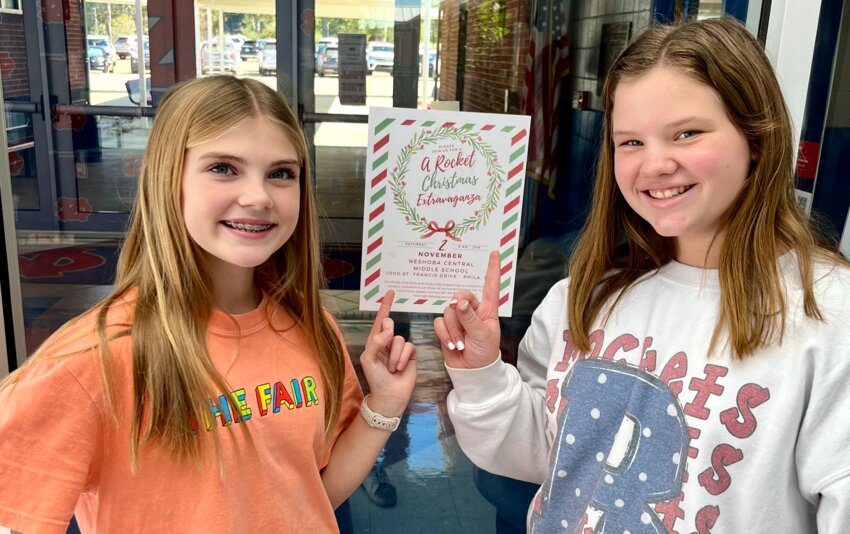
[702, 252]
[235, 290]
[234, 304]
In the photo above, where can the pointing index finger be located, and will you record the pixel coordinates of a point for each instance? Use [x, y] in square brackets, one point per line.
[491, 279]
[383, 312]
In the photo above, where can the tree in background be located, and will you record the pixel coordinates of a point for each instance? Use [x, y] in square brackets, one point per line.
[251, 26]
[113, 20]
[375, 30]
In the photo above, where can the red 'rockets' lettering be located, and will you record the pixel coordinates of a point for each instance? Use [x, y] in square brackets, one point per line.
[552, 394]
[705, 388]
[647, 357]
[625, 342]
[716, 479]
[694, 433]
[706, 518]
[670, 511]
[676, 367]
[749, 396]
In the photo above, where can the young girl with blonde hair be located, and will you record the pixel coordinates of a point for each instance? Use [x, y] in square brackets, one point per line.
[691, 374]
[210, 391]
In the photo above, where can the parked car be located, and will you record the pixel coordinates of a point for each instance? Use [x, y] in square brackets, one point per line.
[323, 43]
[250, 49]
[125, 46]
[267, 58]
[101, 41]
[227, 62]
[328, 61]
[237, 40]
[134, 58]
[100, 59]
[380, 56]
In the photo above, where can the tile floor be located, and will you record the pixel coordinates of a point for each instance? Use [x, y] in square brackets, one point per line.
[433, 478]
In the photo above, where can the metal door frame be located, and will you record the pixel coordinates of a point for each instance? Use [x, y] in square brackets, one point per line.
[11, 301]
[50, 96]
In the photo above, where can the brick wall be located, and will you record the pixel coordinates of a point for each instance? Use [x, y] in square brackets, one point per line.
[493, 66]
[449, 24]
[77, 53]
[496, 52]
[13, 58]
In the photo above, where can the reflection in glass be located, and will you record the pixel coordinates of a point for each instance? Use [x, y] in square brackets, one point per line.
[710, 9]
[110, 28]
[22, 161]
[107, 172]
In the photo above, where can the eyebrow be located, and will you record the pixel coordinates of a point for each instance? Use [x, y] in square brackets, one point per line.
[237, 159]
[672, 125]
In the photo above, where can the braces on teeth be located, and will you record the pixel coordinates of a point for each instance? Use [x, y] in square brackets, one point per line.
[248, 227]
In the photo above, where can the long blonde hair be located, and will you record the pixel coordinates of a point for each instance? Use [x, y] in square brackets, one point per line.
[723, 55]
[173, 375]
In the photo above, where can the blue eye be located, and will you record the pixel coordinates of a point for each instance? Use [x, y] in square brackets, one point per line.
[285, 173]
[631, 142]
[221, 168]
[687, 134]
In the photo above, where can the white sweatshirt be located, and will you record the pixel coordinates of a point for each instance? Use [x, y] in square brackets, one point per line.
[650, 434]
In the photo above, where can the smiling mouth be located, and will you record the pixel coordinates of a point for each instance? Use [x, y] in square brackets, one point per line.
[246, 227]
[671, 192]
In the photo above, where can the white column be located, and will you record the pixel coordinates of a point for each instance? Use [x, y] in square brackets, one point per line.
[790, 45]
[140, 53]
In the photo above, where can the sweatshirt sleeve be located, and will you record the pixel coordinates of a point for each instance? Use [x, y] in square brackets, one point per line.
[499, 413]
[50, 431]
[823, 442]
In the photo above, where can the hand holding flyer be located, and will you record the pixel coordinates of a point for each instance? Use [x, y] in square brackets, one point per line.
[443, 190]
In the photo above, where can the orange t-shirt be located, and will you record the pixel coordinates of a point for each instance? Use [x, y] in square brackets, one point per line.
[60, 454]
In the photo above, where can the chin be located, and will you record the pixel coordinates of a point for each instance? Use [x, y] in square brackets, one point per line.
[666, 232]
[247, 263]
[668, 228]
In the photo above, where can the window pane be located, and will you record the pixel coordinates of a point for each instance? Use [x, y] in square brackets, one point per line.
[19, 131]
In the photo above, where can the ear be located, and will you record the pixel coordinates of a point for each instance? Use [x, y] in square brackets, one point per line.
[755, 150]
[755, 156]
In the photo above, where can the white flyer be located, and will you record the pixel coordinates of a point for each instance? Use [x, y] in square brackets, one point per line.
[443, 189]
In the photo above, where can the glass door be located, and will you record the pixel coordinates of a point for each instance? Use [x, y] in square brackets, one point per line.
[81, 81]
[355, 56]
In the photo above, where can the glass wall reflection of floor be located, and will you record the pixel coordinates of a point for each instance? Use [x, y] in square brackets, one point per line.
[433, 478]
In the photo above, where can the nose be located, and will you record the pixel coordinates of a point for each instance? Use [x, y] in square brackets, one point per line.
[255, 193]
[657, 162]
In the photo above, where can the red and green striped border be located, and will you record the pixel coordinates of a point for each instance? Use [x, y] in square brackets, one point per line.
[511, 217]
[377, 200]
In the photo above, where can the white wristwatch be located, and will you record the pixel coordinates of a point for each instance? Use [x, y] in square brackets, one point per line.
[376, 420]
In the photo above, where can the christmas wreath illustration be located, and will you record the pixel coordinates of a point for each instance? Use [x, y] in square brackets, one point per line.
[453, 230]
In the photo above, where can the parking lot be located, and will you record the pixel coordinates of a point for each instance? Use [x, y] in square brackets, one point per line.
[109, 89]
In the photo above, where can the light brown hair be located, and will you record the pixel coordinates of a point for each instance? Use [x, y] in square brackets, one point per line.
[174, 376]
[617, 246]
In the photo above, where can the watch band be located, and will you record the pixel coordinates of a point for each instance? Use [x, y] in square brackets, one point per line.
[376, 420]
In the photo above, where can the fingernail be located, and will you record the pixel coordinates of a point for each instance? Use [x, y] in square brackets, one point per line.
[453, 302]
[463, 307]
[460, 345]
[450, 345]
